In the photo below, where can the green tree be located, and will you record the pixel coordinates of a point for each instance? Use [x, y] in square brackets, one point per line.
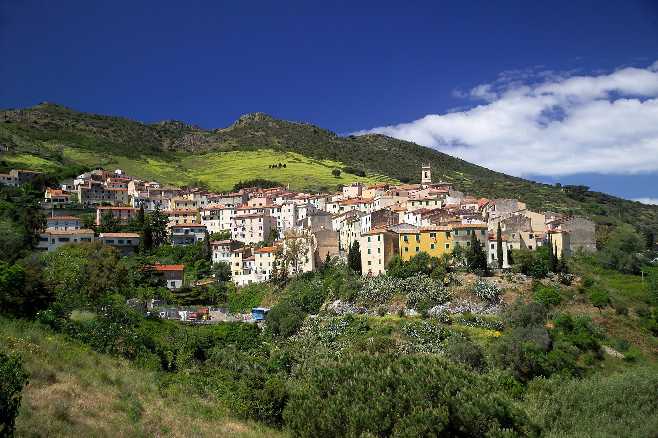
[623, 250]
[354, 257]
[146, 244]
[158, 224]
[88, 220]
[221, 271]
[12, 380]
[476, 258]
[399, 395]
[221, 235]
[599, 298]
[206, 250]
[12, 240]
[109, 223]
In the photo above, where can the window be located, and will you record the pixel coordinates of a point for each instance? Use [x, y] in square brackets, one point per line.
[120, 241]
[433, 235]
[379, 250]
[456, 232]
[369, 262]
[493, 246]
[530, 236]
[447, 246]
[417, 249]
[368, 250]
[482, 232]
[530, 247]
[406, 249]
[368, 238]
[431, 246]
[379, 238]
[405, 238]
[417, 237]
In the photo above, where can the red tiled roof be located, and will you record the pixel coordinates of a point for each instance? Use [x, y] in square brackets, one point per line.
[130, 235]
[266, 249]
[163, 268]
[64, 218]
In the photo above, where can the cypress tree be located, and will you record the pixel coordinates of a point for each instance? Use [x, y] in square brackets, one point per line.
[206, 250]
[354, 257]
[499, 246]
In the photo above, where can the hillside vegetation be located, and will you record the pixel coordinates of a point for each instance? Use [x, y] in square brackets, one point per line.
[176, 152]
[74, 391]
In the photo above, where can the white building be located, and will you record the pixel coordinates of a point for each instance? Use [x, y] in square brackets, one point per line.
[251, 228]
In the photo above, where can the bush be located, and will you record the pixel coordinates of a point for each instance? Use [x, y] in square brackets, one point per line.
[284, 319]
[12, 380]
[460, 349]
[383, 395]
[622, 250]
[487, 291]
[619, 404]
[245, 298]
[599, 298]
[620, 309]
[547, 295]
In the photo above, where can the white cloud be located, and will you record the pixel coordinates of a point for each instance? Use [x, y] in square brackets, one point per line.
[648, 201]
[562, 125]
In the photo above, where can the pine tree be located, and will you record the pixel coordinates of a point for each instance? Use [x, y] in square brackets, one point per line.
[499, 247]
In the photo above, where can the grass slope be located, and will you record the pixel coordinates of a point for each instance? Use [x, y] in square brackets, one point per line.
[74, 391]
[47, 130]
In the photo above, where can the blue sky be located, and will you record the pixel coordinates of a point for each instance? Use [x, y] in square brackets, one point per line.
[354, 66]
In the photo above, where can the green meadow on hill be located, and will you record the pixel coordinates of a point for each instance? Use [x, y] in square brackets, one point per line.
[220, 171]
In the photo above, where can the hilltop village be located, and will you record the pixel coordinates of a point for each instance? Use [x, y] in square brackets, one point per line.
[265, 229]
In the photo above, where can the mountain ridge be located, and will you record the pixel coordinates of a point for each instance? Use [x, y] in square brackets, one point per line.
[42, 129]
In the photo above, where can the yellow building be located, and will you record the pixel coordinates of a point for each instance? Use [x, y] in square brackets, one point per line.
[434, 240]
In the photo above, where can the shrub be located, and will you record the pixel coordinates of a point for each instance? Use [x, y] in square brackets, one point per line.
[12, 380]
[600, 405]
[245, 298]
[599, 298]
[487, 291]
[382, 395]
[460, 349]
[547, 295]
[284, 319]
[622, 250]
[620, 309]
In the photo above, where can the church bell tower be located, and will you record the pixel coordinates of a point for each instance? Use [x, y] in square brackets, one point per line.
[426, 174]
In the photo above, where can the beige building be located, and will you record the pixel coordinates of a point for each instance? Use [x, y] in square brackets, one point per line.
[125, 243]
[51, 239]
[377, 247]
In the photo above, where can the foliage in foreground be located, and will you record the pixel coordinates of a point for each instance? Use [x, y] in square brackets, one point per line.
[12, 380]
[383, 395]
[623, 404]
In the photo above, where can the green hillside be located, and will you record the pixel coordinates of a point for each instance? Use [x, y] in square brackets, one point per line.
[74, 391]
[176, 152]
